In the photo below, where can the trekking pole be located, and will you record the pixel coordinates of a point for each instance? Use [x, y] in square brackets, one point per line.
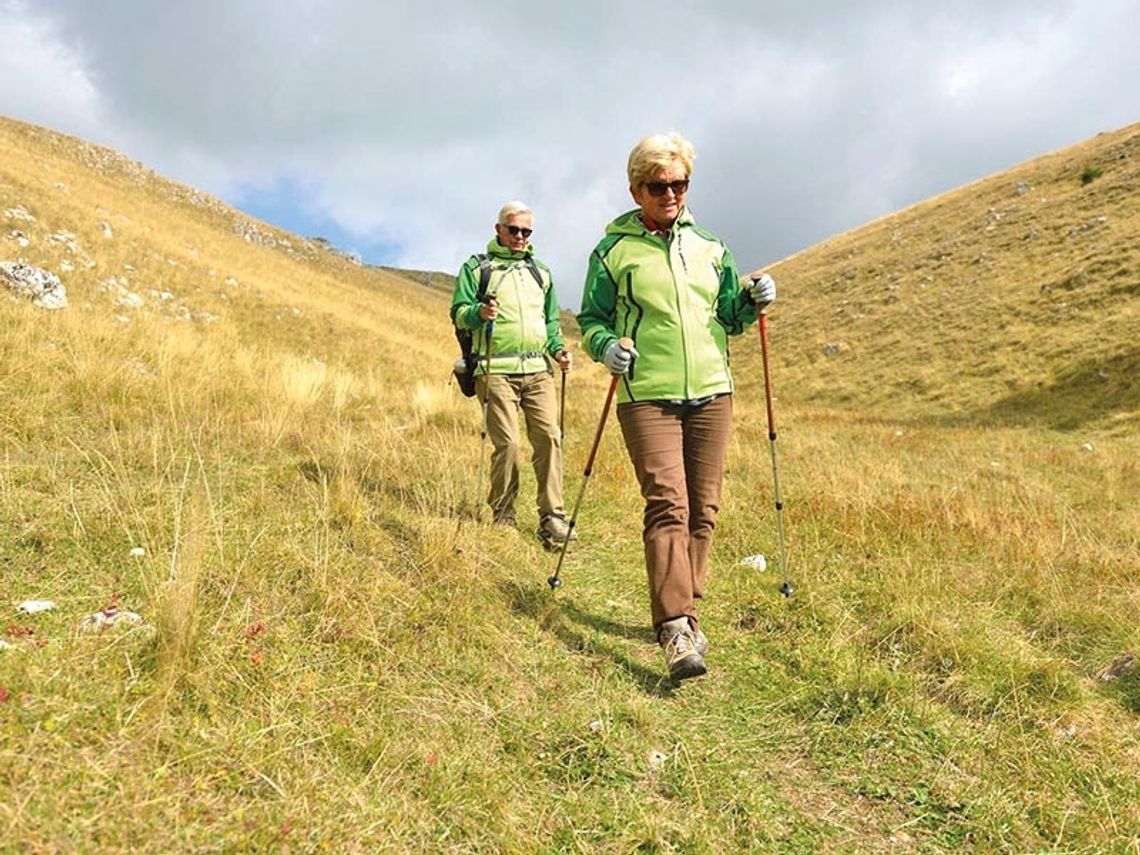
[483, 435]
[554, 581]
[562, 410]
[786, 587]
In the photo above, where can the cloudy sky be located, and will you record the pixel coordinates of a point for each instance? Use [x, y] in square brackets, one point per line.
[397, 128]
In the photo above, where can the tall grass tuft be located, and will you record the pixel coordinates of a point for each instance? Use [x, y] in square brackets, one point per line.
[176, 615]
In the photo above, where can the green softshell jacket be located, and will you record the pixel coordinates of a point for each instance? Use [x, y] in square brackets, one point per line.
[527, 327]
[678, 298]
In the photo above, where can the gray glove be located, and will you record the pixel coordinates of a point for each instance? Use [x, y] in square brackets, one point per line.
[762, 291]
[618, 358]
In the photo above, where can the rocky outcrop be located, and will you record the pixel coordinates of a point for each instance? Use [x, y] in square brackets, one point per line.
[42, 287]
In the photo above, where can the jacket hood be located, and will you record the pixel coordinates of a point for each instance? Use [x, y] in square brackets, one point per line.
[497, 250]
[630, 223]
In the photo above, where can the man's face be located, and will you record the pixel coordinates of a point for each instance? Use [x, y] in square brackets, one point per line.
[519, 223]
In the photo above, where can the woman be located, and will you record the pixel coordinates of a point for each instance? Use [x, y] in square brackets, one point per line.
[673, 288]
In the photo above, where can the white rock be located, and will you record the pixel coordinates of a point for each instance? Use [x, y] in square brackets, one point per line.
[130, 300]
[19, 213]
[756, 562]
[595, 726]
[137, 551]
[106, 229]
[109, 617]
[32, 607]
[66, 238]
[42, 287]
[1088, 446]
[657, 759]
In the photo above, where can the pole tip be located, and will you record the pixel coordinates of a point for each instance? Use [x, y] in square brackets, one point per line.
[554, 582]
[786, 589]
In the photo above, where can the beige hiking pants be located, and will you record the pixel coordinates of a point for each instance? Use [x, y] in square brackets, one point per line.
[534, 394]
[678, 455]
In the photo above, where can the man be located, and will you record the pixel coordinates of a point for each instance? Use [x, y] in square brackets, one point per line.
[511, 289]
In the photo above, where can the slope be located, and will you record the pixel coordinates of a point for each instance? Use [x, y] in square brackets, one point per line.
[1013, 299]
[336, 656]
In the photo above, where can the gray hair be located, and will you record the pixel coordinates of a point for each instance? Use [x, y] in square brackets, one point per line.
[512, 209]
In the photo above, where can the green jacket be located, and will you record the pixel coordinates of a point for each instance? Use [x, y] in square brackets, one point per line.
[527, 328]
[678, 298]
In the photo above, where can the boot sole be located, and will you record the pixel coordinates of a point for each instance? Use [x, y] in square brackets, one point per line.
[551, 545]
[690, 666]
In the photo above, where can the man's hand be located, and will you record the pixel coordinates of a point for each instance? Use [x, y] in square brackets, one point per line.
[762, 291]
[618, 358]
[490, 309]
[564, 360]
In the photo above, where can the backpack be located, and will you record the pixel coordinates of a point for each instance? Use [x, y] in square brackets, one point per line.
[464, 368]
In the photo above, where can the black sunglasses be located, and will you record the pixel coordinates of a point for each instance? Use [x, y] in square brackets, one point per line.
[517, 230]
[658, 188]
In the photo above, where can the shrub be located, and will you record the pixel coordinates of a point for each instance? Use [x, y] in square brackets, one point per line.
[1091, 174]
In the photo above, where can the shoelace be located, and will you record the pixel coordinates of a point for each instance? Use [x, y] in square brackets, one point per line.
[680, 646]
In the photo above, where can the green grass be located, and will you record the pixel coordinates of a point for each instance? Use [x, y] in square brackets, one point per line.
[337, 657]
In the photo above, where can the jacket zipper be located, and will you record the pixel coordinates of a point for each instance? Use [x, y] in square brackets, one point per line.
[677, 293]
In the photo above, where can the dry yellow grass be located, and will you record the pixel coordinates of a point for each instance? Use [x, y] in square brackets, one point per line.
[340, 659]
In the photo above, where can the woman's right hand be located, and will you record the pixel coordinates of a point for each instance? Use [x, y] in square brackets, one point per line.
[620, 355]
[489, 310]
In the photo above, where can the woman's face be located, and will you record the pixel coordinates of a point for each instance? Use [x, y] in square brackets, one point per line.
[662, 209]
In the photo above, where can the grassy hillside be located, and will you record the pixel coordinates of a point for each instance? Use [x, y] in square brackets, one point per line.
[337, 657]
[1013, 300]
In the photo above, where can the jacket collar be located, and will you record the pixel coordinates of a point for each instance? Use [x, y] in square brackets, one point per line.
[497, 250]
[630, 223]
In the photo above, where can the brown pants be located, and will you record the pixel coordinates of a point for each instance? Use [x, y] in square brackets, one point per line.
[535, 395]
[678, 455]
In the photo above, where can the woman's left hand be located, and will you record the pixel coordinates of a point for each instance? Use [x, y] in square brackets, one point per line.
[762, 291]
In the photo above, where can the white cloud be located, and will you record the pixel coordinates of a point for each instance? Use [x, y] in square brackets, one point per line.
[41, 78]
[409, 123]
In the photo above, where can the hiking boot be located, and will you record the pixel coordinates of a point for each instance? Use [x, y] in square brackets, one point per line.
[505, 518]
[679, 642]
[701, 642]
[553, 530]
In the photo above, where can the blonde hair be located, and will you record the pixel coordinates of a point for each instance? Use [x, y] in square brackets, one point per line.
[659, 151]
[512, 209]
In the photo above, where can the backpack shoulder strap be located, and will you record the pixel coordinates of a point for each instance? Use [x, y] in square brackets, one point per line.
[484, 275]
[535, 272]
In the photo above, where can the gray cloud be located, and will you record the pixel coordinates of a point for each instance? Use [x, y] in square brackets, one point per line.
[409, 123]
